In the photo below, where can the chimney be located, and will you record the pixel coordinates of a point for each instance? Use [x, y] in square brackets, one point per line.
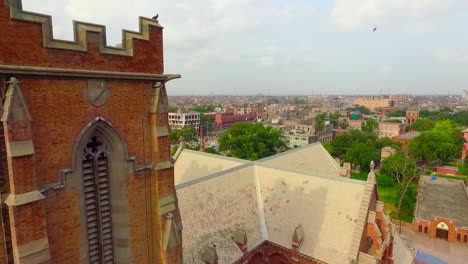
[202, 140]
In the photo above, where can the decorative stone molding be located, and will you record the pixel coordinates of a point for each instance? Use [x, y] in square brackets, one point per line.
[24, 198]
[15, 108]
[34, 252]
[19, 70]
[20, 148]
[167, 204]
[159, 102]
[80, 30]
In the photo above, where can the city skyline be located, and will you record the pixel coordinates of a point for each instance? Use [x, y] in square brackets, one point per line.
[293, 47]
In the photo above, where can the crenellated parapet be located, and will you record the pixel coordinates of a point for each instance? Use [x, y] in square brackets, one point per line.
[81, 30]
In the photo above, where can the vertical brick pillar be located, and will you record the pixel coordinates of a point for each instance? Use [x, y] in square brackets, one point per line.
[165, 216]
[25, 202]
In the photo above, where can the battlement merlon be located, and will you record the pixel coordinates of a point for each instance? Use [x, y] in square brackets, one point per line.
[80, 30]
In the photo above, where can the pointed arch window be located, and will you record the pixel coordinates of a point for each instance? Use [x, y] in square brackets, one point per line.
[97, 201]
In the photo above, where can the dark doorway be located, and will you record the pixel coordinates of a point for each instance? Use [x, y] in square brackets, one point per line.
[442, 234]
[420, 228]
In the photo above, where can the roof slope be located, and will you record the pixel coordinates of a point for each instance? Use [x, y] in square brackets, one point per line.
[191, 165]
[312, 159]
[269, 203]
[212, 210]
[327, 209]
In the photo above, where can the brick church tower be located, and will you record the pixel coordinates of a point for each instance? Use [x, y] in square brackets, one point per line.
[85, 169]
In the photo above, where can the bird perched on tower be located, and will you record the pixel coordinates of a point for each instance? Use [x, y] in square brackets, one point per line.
[374, 29]
[155, 17]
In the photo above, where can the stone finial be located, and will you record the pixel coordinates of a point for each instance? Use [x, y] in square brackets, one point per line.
[372, 165]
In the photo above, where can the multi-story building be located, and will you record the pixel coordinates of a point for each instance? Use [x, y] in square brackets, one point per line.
[373, 103]
[299, 139]
[355, 124]
[85, 168]
[389, 129]
[326, 135]
[224, 120]
[385, 129]
[411, 116]
[180, 120]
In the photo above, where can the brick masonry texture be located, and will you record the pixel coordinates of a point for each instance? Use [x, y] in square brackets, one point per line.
[148, 56]
[60, 111]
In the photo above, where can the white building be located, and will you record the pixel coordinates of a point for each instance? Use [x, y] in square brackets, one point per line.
[180, 120]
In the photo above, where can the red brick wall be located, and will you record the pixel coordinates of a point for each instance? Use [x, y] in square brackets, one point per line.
[60, 111]
[21, 44]
[447, 171]
[422, 225]
[276, 254]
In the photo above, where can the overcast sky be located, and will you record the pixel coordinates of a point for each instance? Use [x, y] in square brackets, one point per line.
[293, 46]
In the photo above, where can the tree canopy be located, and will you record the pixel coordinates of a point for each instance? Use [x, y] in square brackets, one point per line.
[442, 143]
[370, 126]
[364, 110]
[251, 141]
[422, 124]
[361, 154]
[398, 166]
[397, 113]
[359, 147]
[188, 133]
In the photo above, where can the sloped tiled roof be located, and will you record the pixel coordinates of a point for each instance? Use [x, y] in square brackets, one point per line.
[269, 200]
[191, 165]
[311, 159]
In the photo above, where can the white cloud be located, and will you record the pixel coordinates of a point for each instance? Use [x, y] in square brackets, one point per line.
[351, 15]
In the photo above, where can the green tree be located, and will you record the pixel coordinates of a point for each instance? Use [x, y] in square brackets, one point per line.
[211, 150]
[370, 126]
[398, 113]
[329, 147]
[319, 125]
[387, 142]
[188, 133]
[251, 141]
[361, 154]
[343, 124]
[333, 118]
[442, 143]
[206, 122]
[422, 124]
[398, 166]
[403, 170]
[461, 118]
[364, 110]
[319, 122]
[204, 109]
[343, 143]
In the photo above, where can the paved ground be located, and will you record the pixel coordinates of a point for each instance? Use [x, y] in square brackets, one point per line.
[444, 198]
[453, 253]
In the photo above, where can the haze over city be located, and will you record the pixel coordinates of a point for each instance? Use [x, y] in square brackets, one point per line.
[293, 47]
